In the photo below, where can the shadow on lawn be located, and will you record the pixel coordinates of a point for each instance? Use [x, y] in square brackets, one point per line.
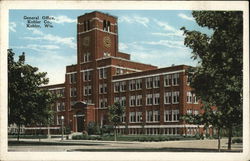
[30, 143]
[154, 150]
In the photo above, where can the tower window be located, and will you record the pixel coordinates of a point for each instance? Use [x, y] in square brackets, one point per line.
[86, 25]
[106, 25]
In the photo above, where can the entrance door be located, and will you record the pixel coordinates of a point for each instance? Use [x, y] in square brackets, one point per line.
[80, 121]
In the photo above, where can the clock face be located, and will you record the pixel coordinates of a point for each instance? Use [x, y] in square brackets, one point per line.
[86, 41]
[107, 41]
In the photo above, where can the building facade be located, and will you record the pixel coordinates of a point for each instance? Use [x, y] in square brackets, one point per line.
[154, 98]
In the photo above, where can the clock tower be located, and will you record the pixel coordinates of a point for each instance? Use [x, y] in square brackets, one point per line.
[96, 36]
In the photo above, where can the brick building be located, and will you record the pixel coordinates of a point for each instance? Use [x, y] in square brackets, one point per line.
[154, 97]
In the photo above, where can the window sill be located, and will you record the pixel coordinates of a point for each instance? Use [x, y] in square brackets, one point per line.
[171, 121]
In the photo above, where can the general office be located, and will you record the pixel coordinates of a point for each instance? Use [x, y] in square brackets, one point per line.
[35, 19]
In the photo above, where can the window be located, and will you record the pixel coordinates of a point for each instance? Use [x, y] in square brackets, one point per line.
[87, 75]
[175, 115]
[72, 92]
[132, 101]
[72, 103]
[195, 99]
[59, 120]
[175, 97]
[188, 80]
[86, 57]
[87, 90]
[189, 111]
[149, 99]
[73, 78]
[123, 86]
[61, 92]
[86, 25]
[156, 98]
[175, 79]
[149, 82]
[196, 112]
[106, 54]
[167, 80]
[167, 97]
[189, 97]
[123, 118]
[103, 73]
[138, 116]
[117, 99]
[168, 116]
[60, 106]
[89, 101]
[149, 116]
[171, 115]
[153, 116]
[123, 101]
[116, 87]
[119, 71]
[132, 85]
[139, 100]
[103, 88]
[132, 117]
[156, 115]
[106, 25]
[103, 103]
[138, 84]
[156, 81]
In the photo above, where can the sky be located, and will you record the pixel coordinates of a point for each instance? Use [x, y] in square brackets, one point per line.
[150, 36]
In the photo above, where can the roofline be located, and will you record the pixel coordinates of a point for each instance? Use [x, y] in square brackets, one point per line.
[127, 75]
[98, 12]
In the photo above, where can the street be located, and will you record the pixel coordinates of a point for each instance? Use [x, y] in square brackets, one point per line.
[56, 145]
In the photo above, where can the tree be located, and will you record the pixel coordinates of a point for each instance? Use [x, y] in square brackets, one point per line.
[115, 113]
[28, 103]
[218, 78]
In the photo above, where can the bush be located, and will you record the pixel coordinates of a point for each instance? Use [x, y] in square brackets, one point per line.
[93, 128]
[107, 129]
[86, 137]
[237, 140]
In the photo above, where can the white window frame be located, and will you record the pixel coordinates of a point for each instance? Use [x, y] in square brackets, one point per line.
[156, 98]
[167, 80]
[149, 97]
[132, 117]
[189, 97]
[87, 75]
[156, 82]
[175, 79]
[175, 96]
[138, 85]
[73, 92]
[123, 86]
[195, 100]
[72, 78]
[132, 101]
[138, 100]
[167, 97]
[132, 85]
[149, 82]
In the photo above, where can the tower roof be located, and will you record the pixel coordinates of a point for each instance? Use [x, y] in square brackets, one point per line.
[98, 12]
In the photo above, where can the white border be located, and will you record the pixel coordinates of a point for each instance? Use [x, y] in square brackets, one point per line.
[136, 5]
